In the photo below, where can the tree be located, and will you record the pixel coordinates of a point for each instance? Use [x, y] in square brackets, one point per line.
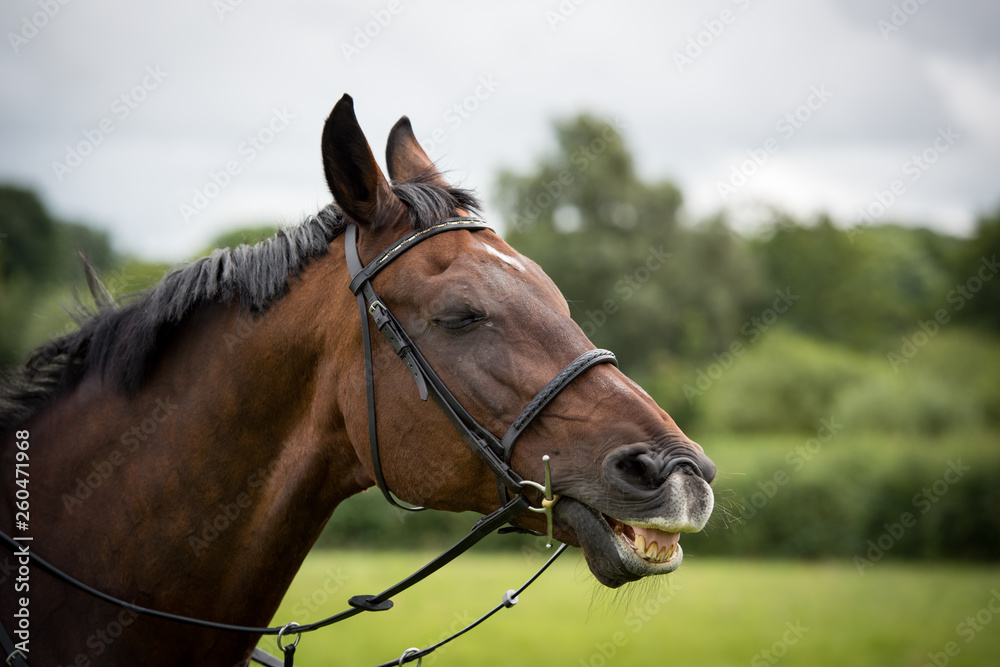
[858, 289]
[636, 280]
[975, 283]
[38, 260]
[28, 236]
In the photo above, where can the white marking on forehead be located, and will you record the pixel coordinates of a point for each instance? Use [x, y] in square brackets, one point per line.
[512, 261]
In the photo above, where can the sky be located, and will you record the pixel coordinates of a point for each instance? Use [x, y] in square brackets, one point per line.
[168, 123]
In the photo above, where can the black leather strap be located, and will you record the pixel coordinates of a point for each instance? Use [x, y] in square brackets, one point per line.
[354, 265]
[266, 659]
[362, 274]
[550, 391]
[483, 527]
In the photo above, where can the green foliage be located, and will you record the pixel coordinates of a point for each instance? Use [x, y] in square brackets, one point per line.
[786, 382]
[28, 235]
[916, 403]
[965, 364]
[951, 384]
[35, 246]
[39, 260]
[825, 496]
[636, 281]
[18, 296]
[856, 288]
[978, 260]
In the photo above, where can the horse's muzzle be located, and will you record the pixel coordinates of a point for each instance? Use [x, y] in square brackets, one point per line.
[651, 492]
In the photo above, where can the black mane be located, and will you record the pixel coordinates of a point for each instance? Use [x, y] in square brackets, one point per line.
[123, 343]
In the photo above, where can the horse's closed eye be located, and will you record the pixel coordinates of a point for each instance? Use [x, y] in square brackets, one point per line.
[458, 321]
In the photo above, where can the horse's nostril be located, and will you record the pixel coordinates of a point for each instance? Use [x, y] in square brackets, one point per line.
[686, 465]
[642, 468]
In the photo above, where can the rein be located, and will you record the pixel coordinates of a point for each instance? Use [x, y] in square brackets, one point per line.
[494, 452]
[358, 603]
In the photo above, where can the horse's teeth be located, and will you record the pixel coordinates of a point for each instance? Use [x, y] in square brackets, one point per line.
[653, 551]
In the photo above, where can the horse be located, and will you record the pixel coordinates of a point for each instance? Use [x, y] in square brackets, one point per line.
[184, 448]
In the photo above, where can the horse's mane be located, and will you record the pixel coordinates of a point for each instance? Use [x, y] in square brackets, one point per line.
[123, 341]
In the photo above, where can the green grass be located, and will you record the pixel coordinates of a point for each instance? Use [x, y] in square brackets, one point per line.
[710, 612]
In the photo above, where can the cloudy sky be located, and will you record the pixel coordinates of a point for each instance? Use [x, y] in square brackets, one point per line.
[167, 124]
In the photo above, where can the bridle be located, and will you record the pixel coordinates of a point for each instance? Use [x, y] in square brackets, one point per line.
[494, 452]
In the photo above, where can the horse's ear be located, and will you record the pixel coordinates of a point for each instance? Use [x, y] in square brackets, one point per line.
[356, 182]
[405, 158]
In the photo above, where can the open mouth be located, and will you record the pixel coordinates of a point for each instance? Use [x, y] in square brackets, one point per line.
[654, 547]
[619, 551]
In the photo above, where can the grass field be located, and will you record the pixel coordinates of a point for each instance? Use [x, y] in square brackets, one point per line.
[710, 612]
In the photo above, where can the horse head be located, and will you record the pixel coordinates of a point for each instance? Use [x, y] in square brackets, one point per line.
[496, 330]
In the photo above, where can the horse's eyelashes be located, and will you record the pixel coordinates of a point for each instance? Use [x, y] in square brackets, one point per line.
[458, 322]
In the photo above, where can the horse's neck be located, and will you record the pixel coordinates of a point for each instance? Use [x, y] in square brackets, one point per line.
[207, 489]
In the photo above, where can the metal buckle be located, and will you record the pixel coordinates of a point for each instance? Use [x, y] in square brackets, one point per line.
[549, 500]
[378, 313]
[15, 655]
